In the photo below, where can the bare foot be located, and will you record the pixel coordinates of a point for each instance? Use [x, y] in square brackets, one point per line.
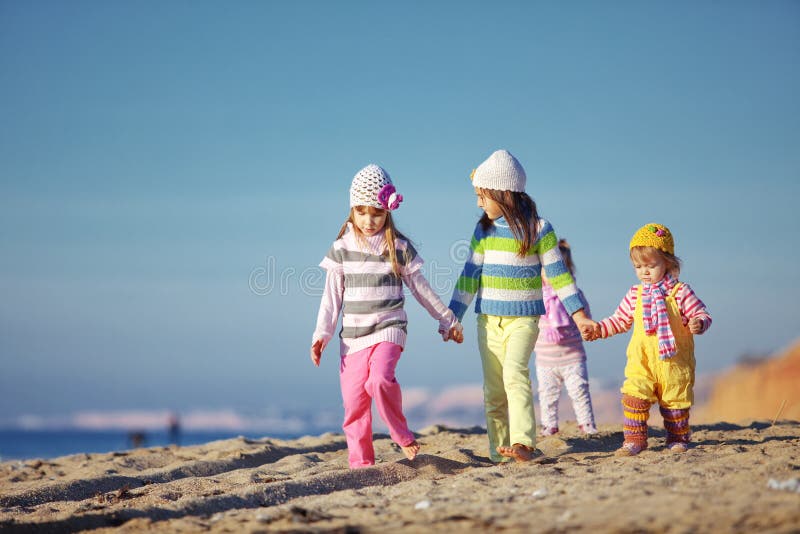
[518, 451]
[411, 450]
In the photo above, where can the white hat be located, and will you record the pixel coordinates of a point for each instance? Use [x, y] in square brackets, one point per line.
[372, 187]
[501, 171]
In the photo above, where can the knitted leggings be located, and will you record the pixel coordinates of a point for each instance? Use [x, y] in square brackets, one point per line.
[637, 411]
[634, 427]
[676, 422]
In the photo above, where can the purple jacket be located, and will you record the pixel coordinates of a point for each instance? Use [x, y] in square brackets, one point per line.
[556, 325]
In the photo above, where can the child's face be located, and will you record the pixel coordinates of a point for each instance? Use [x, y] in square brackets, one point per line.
[489, 206]
[650, 269]
[369, 220]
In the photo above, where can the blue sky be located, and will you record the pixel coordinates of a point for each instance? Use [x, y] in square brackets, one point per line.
[155, 157]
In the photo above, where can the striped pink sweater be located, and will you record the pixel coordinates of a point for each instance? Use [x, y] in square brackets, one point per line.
[361, 285]
[621, 320]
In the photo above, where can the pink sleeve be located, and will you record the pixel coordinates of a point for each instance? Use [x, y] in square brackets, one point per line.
[330, 306]
[622, 319]
[692, 307]
[555, 315]
[414, 261]
[429, 300]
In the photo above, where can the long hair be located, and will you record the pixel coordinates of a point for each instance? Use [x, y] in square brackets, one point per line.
[566, 254]
[520, 211]
[390, 234]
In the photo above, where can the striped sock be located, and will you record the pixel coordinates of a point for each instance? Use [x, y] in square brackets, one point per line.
[634, 427]
[676, 423]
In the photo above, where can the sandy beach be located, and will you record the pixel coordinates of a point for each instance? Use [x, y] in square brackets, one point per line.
[735, 478]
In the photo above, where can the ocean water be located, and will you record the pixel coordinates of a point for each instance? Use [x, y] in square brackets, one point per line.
[27, 444]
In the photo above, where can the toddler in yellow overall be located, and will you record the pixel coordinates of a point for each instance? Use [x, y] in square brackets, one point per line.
[665, 314]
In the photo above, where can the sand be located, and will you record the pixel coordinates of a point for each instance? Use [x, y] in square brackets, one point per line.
[722, 484]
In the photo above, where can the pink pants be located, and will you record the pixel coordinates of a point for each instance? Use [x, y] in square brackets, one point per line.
[365, 375]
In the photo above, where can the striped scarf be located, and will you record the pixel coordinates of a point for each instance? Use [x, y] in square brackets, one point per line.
[654, 314]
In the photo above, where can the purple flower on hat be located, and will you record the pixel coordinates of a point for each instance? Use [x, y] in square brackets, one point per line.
[388, 197]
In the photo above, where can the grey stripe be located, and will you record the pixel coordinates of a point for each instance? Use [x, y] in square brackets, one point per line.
[371, 280]
[354, 255]
[410, 251]
[342, 255]
[351, 332]
[361, 257]
[372, 306]
[334, 255]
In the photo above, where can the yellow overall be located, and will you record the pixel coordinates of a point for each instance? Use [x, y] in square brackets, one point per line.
[647, 377]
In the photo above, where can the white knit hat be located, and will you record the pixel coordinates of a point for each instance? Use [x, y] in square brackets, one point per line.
[501, 171]
[372, 187]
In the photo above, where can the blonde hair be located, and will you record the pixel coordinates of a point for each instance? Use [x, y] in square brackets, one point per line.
[642, 254]
[390, 234]
[520, 213]
[566, 254]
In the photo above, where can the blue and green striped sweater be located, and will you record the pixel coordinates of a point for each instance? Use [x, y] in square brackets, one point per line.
[507, 284]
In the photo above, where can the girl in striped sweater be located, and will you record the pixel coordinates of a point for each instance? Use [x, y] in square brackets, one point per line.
[366, 269]
[665, 315]
[510, 247]
[561, 359]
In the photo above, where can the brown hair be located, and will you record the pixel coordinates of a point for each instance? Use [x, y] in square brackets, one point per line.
[642, 254]
[566, 254]
[390, 234]
[519, 210]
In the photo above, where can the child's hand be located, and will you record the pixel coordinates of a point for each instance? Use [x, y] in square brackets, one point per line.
[588, 334]
[695, 325]
[591, 333]
[457, 333]
[585, 325]
[316, 351]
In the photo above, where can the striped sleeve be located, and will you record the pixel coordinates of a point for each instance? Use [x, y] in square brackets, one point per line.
[469, 280]
[692, 307]
[429, 300]
[333, 260]
[329, 307]
[409, 258]
[558, 275]
[622, 319]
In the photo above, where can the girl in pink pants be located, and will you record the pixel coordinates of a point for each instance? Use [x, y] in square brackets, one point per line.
[366, 270]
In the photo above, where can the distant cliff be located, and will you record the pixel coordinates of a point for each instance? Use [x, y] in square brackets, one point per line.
[756, 389]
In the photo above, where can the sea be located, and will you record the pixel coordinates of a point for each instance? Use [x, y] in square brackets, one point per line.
[28, 444]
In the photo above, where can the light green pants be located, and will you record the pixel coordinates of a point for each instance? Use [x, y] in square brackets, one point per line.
[506, 344]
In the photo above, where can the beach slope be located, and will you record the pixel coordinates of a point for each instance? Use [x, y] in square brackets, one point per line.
[735, 478]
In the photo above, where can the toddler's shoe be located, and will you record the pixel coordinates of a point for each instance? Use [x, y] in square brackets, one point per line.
[677, 446]
[548, 431]
[630, 448]
[588, 429]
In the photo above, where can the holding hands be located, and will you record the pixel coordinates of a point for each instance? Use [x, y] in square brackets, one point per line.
[591, 333]
[456, 333]
[590, 330]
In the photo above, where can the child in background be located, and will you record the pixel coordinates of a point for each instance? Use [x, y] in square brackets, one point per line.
[509, 248]
[665, 314]
[561, 359]
[366, 268]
